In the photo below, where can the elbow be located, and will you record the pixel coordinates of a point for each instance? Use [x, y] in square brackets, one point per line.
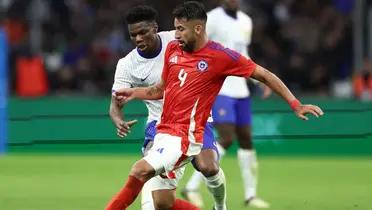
[265, 77]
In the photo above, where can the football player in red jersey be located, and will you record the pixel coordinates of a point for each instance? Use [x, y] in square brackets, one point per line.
[143, 67]
[194, 71]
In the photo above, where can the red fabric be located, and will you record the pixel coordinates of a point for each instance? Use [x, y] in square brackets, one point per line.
[127, 194]
[180, 204]
[360, 85]
[192, 82]
[16, 31]
[32, 79]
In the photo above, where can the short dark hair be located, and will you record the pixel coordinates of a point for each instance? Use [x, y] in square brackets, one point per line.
[190, 10]
[141, 13]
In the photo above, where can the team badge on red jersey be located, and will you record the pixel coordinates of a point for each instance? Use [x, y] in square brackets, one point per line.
[202, 65]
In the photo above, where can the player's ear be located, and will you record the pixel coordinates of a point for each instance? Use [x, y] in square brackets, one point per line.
[156, 27]
[198, 28]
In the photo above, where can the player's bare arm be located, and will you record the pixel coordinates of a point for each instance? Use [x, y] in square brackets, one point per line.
[154, 92]
[122, 127]
[271, 80]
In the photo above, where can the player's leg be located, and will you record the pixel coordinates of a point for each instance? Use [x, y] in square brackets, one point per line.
[161, 187]
[246, 154]
[207, 163]
[224, 120]
[191, 191]
[164, 156]
[147, 202]
[139, 174]
[164, 193]
[167, 152]
[161, 198]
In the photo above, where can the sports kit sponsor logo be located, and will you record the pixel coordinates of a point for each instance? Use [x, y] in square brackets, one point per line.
[173, 59]
[143, 79]
[160, 150]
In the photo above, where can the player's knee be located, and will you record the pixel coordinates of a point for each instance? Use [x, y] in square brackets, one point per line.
[142, 171]
[208, 169]
[225, 143]
[162, 204]
[139, 173]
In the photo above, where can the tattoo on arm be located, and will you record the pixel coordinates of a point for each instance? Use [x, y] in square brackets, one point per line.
[154, 90]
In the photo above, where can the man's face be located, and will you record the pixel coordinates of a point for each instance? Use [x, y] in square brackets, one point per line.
[143, 35]
[185, 34]
[231, 4]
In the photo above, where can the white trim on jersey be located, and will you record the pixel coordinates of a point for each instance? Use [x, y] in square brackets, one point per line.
[192, 123]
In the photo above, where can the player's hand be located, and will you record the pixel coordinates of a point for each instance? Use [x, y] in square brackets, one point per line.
[266, 91]
[123, 95]
[302, 110]
[123, 127]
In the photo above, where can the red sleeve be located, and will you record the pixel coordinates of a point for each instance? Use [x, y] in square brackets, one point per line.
[234, 64]
[239, 65]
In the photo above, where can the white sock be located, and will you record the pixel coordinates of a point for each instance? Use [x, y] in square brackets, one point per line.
[248, 166]
[194, 181]
[220, 149]
[217, 186]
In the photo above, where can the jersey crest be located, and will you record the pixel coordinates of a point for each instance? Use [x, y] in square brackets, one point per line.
[202, 65]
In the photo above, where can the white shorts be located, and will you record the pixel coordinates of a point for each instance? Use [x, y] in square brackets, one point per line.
[166, 155]
[168, 160]
[158, 183]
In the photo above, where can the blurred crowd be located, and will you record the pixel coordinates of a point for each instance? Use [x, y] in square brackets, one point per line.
[308, 43]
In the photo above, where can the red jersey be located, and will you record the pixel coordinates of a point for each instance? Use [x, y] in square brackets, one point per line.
[192, 82]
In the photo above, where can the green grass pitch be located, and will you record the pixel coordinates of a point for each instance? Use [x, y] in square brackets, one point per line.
[65, 182]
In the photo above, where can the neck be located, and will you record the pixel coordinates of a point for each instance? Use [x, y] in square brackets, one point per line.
[200, 43]
[156, 47]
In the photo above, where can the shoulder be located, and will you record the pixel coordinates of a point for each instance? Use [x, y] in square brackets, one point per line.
[128, 60]
[123, 61]
[222, 52]
[215, 12]
[167, 36]
[244, 17]
[172, 46]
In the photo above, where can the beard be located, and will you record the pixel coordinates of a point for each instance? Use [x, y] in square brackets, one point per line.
[188, 47]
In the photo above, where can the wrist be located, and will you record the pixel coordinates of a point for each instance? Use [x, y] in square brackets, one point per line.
[117, 120]
[294, 104]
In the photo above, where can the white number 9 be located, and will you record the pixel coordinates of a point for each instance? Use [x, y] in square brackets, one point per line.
[182, 77]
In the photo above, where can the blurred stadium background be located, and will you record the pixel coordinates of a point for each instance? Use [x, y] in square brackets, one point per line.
[58, 145]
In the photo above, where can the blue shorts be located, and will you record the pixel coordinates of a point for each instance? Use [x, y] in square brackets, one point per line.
[209, 142]
[231, 110]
